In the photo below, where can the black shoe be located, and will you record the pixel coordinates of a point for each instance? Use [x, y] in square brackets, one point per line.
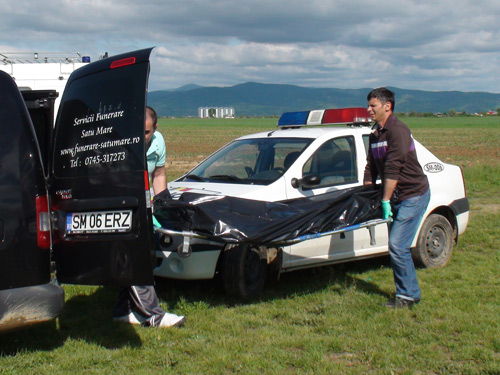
[398, 303]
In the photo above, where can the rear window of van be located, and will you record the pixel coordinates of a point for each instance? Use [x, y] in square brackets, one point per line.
[100, 127]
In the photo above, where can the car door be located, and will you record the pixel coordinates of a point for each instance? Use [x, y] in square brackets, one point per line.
[98, 185]
[22, 262]
[335, 163]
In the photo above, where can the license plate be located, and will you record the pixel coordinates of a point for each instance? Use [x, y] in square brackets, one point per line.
[99, 222]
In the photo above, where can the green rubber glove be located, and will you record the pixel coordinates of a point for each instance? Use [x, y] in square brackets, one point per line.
[156, 223]
[386, 209]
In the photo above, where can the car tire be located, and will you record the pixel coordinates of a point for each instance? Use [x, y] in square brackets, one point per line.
[243, 271]
[435, 243]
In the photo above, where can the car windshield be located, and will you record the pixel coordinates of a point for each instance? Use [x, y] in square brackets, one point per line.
[258, 161]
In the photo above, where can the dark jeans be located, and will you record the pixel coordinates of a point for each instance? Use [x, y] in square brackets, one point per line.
[409, 214]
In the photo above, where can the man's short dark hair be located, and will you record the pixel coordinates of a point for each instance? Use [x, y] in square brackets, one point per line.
[152, 113]
[383, 94]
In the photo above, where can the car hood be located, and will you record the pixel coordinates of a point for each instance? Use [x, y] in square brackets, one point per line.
[272, 192]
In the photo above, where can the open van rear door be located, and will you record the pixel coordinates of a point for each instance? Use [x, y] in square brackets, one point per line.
[22, 188]
[98, 183]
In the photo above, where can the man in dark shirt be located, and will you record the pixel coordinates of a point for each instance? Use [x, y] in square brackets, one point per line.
[405, 190]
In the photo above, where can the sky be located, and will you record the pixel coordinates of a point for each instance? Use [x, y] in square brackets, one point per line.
[435, 45]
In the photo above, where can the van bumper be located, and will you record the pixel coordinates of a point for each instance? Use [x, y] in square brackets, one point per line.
[22, 307]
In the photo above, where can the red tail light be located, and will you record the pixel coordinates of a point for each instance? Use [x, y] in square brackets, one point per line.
[149, 198]
[43, 222]
[146, 180]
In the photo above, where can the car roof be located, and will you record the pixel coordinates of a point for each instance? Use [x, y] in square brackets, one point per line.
[311, 132]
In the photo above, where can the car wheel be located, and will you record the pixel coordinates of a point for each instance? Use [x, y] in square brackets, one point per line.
[243, 272]
[435, 242]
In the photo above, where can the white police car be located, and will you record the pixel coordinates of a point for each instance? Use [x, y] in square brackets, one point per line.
[296, 161]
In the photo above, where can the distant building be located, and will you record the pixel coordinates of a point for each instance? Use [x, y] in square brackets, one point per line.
[216, 112]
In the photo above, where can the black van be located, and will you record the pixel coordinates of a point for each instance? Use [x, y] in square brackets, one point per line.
[76, 195]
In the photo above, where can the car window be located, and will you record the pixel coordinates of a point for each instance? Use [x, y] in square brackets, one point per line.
[234, 162]
[334, 162]
[250, 161]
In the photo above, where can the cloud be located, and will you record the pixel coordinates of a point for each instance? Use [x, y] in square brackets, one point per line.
[307, 63]
[446, 45]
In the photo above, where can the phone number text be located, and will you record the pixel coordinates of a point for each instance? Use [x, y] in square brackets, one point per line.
[105, 158]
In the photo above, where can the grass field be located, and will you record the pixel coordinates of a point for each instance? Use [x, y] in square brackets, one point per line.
[324, 321]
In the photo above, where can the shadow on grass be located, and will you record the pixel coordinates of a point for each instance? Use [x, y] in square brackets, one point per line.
[88, 317]
[338, 278]
[84, 317]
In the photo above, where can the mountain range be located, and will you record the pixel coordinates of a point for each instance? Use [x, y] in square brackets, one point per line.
[259, 99]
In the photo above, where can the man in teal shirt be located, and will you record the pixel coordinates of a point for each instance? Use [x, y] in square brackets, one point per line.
[156, 153]
[139, 304]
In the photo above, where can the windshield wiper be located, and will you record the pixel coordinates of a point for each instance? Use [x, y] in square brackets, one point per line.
[225, 177]
[193, 177]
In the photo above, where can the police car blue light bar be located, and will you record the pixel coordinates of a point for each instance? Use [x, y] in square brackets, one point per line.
[357, 115]
[293, 118]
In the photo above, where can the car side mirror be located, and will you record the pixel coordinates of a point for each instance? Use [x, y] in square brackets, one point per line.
[307, 182]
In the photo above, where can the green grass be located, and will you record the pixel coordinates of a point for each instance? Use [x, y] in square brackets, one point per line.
[322, 321]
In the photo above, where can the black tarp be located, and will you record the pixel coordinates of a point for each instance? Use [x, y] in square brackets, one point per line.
[231, 219]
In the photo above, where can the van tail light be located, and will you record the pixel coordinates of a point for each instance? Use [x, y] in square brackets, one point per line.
[149, 198]
[43, 222]
[146, 180]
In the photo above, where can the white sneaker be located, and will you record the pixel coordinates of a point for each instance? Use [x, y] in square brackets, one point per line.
[130, 319]
[171, 320]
